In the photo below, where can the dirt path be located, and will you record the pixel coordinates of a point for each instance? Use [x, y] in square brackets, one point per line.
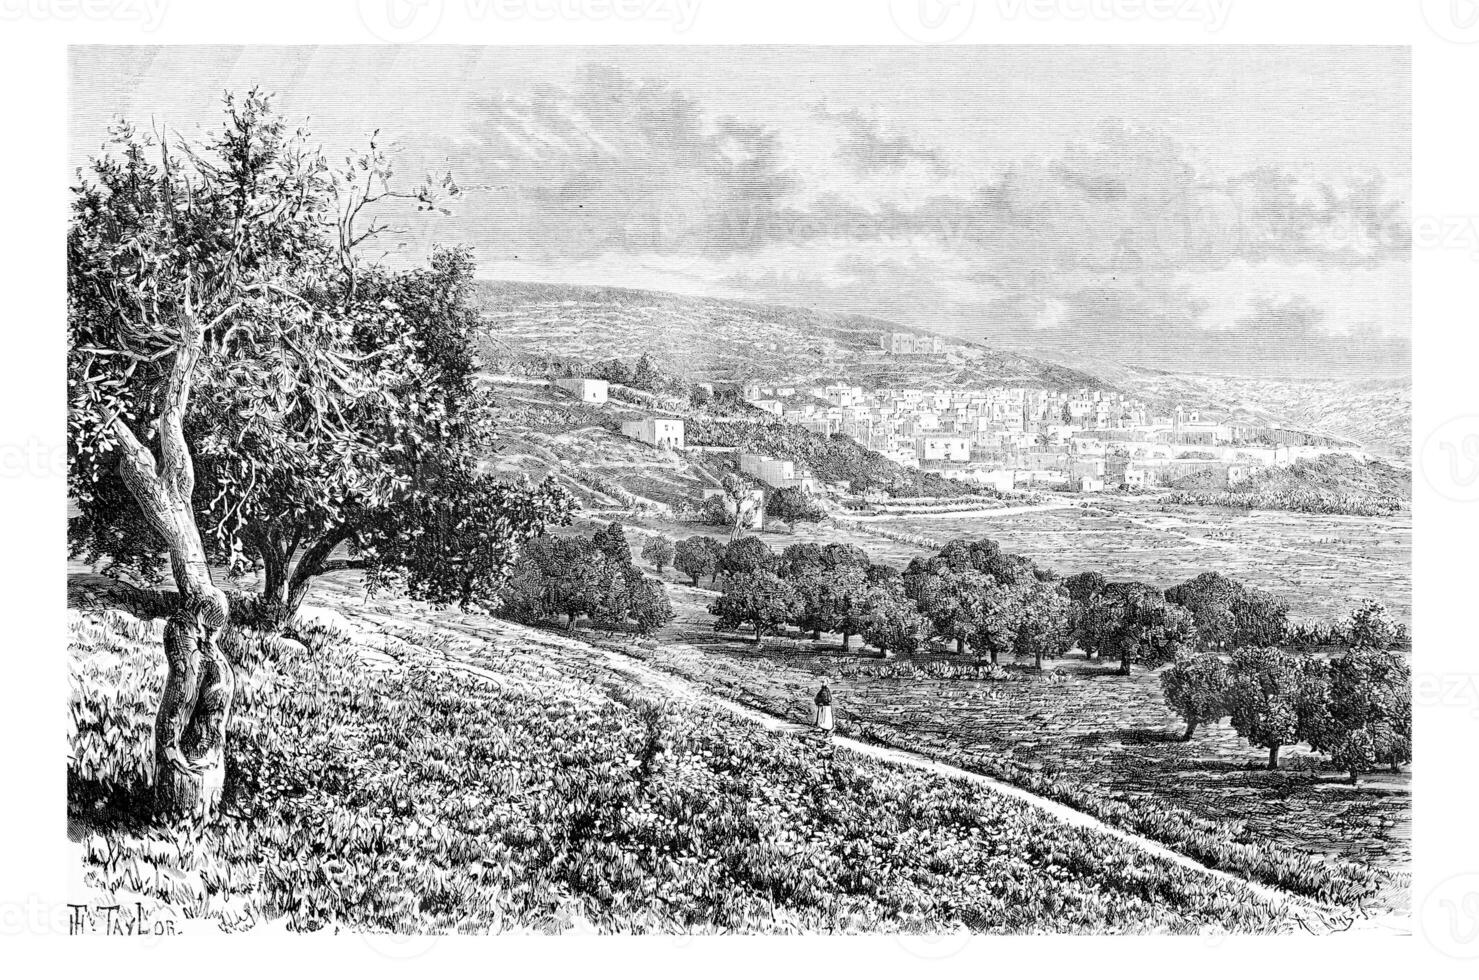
[1314, 917]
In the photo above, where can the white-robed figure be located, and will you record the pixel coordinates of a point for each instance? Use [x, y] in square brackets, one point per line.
[824, 708]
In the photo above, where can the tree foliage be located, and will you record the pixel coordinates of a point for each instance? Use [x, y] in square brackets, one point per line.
[1229, 614]
[697, 557]
[1275, 697]
[1196, 688]
[588, 577]
[760, 598]
[1367, 716]
[1134, 623]
[658, 551]
[335, 408]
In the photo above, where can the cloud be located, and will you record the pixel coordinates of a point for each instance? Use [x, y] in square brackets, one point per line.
[616, 163]
[866, 149]
[1121, 244]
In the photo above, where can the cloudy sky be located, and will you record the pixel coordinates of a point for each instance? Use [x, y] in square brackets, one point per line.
[1239, 210]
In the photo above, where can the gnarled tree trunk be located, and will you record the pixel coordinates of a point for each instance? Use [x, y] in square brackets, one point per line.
[195, 708]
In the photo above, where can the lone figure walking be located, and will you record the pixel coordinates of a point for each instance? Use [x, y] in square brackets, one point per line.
[824, 709]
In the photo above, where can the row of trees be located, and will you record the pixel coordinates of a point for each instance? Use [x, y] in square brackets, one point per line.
[1355, 708]
[970, 595]
[592, 577]
[975, 597]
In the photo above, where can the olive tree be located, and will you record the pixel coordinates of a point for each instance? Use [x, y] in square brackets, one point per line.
[1195, 687]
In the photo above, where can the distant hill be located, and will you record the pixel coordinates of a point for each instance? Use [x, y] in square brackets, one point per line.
[1375, 413]
[1334, 484]
[723, 340]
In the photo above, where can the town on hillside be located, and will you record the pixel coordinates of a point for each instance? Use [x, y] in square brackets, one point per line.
[1084, 440]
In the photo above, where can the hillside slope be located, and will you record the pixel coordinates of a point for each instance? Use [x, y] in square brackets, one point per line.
[722, 340]
[416, 774]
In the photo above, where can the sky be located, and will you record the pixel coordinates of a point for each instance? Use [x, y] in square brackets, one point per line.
[1213, 209]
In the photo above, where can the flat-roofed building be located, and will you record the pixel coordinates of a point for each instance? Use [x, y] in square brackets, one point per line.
[591, 390]
[667, 433]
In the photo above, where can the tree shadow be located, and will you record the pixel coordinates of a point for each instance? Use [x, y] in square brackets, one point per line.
[1129, 736]
[95, 805]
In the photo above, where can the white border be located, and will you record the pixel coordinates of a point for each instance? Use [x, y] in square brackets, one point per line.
[33, 867]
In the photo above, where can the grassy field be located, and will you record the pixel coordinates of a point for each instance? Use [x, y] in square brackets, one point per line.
[400, 775]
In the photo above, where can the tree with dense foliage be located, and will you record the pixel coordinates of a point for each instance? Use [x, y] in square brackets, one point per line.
[1084, 586]
[1195, 687]
[1367, 719]
[575, 577]
[951, 601]
[893, 623]
[761, 598]
[358, 429]
[1275, 697]
[697, 556]
[1229, 614]
[982, 555]
[611, 541]
[745, 556]
[555, 577]
[998, 620]
[659, 552]
[1081, 590]
[631, 600]
[1043, 624]
[214, 373]
[794, 506]
[1134, 622]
